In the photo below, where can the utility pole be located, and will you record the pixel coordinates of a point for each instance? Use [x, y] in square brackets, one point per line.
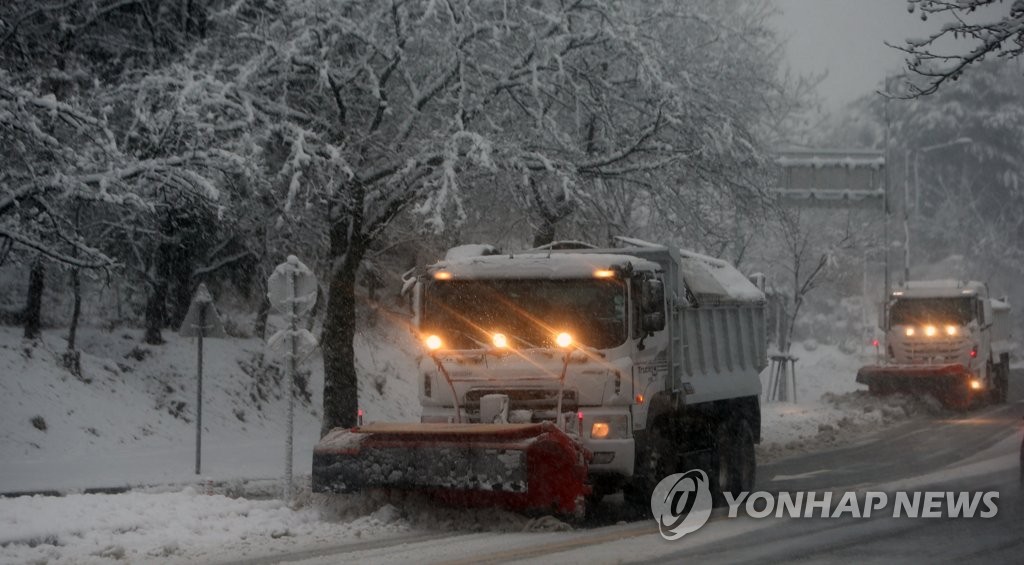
[906, 216]
[885, 196]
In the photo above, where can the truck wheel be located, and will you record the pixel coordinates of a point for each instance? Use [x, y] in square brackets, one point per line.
[658, 460]
[1001, 382]
[735, 460]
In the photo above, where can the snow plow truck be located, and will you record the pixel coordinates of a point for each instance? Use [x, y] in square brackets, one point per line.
[557, 375]
[946, 338]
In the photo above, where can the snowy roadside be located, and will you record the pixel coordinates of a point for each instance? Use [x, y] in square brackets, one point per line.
[180, 527]
[833, 410]
[188, 526]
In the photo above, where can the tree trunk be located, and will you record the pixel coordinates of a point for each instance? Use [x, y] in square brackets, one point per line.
[341, 385]
[262, 313]
[76, 311]
[34, 303]
[155, 313]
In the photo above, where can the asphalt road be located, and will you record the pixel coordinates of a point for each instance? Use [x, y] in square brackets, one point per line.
[914, 448]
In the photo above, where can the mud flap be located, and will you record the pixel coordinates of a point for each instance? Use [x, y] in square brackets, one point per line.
[515, 466]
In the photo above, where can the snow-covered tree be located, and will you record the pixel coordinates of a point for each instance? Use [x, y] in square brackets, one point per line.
[956, 153]
[386, 107]
[973, 31]
[64, 140]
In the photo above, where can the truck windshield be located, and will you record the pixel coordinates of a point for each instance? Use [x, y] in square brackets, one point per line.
[530, 312]
[912, 311]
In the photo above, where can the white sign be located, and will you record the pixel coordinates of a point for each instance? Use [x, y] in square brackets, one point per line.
[202, 313]
[304, 342]
[292, 288]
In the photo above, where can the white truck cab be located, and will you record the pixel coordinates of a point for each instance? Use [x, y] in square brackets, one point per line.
[647, 353]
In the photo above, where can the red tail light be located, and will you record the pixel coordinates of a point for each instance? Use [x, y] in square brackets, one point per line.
[974, 352]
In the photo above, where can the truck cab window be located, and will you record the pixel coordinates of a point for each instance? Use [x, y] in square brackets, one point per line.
[531, 312]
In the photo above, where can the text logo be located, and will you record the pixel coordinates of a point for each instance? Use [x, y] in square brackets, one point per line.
[681, 503]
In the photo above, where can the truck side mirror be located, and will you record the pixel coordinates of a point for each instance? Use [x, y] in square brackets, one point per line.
[653, 322]
[652, 305]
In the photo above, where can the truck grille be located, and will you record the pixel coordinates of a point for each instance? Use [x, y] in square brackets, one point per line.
[524, 399]
[933, 351]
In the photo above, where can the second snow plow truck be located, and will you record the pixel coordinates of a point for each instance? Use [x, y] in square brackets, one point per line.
[558, 375]
[946, 338]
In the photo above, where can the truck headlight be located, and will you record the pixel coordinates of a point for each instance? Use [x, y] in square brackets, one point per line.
[610, 427]
[930, 331]
[952, 330]
[910, 331]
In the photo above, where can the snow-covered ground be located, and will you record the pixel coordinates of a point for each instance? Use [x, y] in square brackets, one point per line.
[129, 421]
[831, 408]
[130, 418]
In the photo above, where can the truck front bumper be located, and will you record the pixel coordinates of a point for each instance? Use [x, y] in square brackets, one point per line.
[614, 455]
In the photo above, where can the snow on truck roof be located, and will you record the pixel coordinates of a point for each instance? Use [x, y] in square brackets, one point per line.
[537, 266]
[710, 277]
[941, 288]
[710, 280]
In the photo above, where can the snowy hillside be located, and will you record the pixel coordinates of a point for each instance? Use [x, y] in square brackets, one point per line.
[130, 419]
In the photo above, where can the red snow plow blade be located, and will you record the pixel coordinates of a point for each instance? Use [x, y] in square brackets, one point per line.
[912, 378]
[952, 384]
[514, 466]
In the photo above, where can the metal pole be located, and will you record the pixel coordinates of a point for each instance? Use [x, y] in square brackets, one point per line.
[906, 218]
[291, 385]
[917, 185]
[199, 387]
[885, 197]
[868, 331]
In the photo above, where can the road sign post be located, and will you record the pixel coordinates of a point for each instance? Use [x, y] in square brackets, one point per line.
[292, 290]
[202, 320]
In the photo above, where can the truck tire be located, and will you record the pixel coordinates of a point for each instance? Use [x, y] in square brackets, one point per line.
[1001, 382]
[734, 461]
[658, 459]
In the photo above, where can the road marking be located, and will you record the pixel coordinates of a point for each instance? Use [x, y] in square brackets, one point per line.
[636, 530]
[556, 547]
[806, 475]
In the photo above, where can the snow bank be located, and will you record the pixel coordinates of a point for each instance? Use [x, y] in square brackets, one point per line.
[832, 409]
[189, 527]
[181, 527]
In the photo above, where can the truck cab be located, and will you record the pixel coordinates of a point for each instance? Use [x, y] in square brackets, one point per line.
[943, 337]
[607, 343]
[557, 336]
